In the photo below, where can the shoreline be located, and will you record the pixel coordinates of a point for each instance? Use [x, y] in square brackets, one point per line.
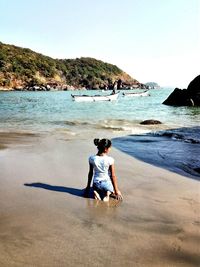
[51, 224]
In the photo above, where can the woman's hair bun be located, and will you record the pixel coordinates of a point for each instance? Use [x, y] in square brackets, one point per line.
[102, 144]
[96, 141]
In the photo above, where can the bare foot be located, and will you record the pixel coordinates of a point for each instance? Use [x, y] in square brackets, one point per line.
[106, 198]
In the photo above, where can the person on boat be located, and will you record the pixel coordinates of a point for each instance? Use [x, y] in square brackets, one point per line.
[114, 91]
[101, 169]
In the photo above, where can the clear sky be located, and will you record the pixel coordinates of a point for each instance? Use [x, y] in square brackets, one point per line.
[152, 40]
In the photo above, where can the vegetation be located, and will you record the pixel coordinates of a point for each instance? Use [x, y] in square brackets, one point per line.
[21, 67]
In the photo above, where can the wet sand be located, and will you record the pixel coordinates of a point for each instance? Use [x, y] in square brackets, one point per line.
[45, 221]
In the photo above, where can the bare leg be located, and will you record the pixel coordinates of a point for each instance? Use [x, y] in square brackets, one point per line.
[96, 195]
[106, 198]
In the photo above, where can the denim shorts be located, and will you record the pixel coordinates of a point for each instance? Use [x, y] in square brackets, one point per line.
[104, 185]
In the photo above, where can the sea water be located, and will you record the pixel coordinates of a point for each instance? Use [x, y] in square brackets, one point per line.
[55, 111]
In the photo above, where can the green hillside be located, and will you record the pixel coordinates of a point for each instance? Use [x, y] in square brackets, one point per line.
[21, 67]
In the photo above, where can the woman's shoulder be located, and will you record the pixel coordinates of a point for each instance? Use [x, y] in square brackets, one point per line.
[91, 158]
[110, 159]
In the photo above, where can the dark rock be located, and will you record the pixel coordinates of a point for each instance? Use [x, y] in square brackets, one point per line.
[194, 85]
[185, 97]
[178, 97]
[197, 170]
[150, 122]
[194, 90]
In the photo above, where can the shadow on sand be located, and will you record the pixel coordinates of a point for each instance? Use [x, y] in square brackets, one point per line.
[70, 190]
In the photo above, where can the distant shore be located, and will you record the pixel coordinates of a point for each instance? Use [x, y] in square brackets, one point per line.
[45, 221]
[6, 89]
[65, 88]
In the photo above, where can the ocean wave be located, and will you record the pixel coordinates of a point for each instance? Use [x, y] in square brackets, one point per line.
[113, 125]
[109, 128]
[76, 123]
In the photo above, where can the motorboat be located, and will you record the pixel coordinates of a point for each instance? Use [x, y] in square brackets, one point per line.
[136, 94]
[94, 98]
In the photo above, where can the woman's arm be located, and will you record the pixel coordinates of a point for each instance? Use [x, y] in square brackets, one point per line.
[114, 182]
[90, 175]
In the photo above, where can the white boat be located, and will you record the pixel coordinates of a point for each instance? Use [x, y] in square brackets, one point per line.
[94, 98]
[135, 94]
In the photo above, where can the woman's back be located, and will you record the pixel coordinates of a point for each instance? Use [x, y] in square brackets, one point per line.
[101, 166]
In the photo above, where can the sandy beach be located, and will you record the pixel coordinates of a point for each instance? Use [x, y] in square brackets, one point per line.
[46, 221]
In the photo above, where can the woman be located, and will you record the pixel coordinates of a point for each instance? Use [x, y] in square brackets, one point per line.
[101, 166]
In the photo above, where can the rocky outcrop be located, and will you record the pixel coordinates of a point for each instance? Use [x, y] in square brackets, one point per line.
[150, 122]
[152, 85]
[194, 88]
[185, 97]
